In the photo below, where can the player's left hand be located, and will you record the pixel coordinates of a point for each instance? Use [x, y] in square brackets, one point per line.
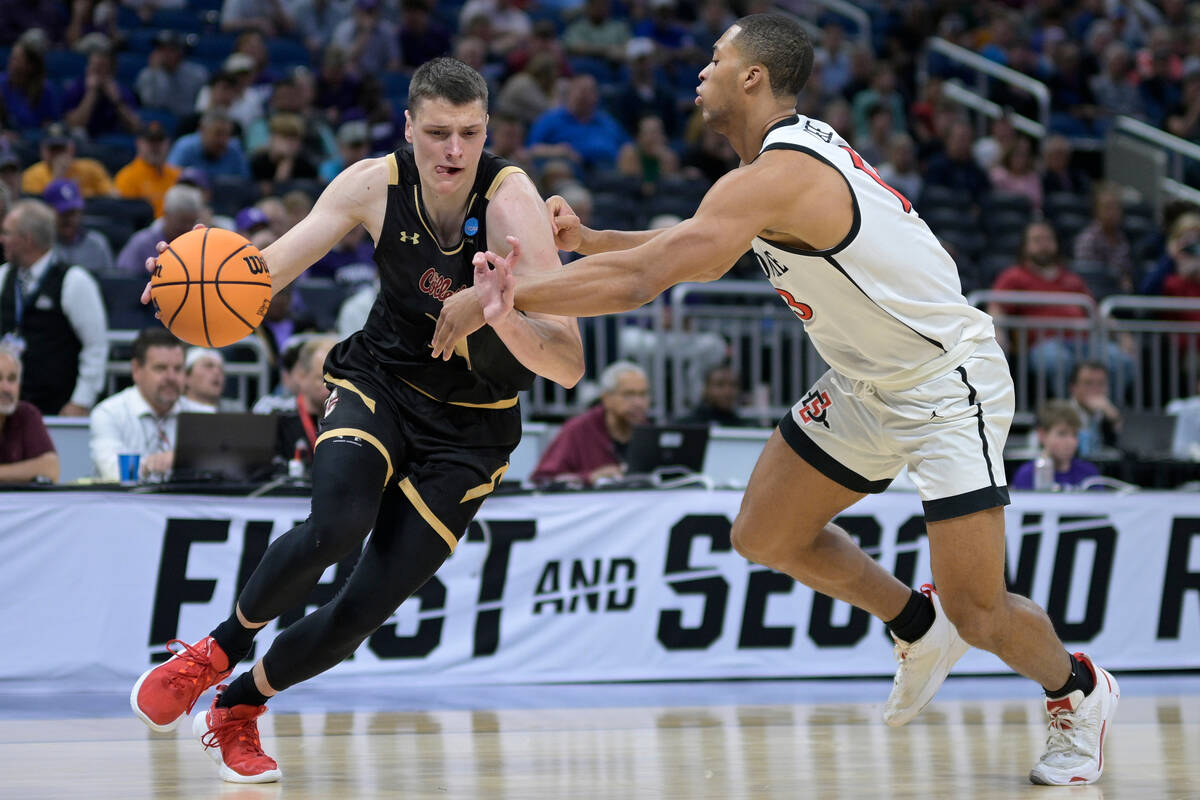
[462, 315]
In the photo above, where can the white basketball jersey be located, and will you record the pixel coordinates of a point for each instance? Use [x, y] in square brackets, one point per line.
[885, 305]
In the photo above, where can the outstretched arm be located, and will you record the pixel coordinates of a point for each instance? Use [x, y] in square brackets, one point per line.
[572, 235]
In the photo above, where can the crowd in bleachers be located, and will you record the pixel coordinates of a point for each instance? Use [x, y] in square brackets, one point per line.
[132, 120]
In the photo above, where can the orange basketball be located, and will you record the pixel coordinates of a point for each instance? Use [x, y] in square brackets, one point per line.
[211, 287]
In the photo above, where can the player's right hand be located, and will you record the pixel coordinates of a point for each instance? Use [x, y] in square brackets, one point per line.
[568, 230]
[151, 263]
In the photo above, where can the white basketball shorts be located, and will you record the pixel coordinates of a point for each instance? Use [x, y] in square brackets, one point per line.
[949, 431]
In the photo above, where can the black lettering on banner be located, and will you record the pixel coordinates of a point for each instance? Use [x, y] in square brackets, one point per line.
[714, 589]
[629, 567]
[580, 578]
[386, 644]
[821, 629]
[1021, 581]
[910, 533]
[174, 588]
[1178, 581]
[548, 584]
[755, 634]
[254, 543]
[500, 536]
[1105, 538]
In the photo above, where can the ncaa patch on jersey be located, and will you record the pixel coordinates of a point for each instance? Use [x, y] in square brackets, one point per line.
[471, 226]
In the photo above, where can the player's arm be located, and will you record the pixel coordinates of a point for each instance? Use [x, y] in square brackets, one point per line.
[572, 235]
[547, 344]
[358, 195]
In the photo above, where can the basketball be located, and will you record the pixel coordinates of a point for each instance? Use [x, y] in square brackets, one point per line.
[211, 287]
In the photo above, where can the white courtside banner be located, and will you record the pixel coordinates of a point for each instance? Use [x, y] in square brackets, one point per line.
[580, 587]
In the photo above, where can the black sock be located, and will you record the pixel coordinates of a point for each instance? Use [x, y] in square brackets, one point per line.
[241, 692]
[1081, 678]
[234, 638]
[916, 618]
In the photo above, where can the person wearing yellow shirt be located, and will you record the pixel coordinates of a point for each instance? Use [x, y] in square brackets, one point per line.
[149, 175]
[59, 161]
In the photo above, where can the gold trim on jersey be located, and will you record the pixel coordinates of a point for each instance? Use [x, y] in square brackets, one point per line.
[507, 402]
[430, 518]
[461, 349]
[366, 437]
[393, 170]
[485, 488]
[348, 386]
[432, 235]
[500, 176]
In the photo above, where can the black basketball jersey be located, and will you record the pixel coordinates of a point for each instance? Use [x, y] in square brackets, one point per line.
[417, 273]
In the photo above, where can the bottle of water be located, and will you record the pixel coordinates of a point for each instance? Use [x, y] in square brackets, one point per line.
[1043, 474]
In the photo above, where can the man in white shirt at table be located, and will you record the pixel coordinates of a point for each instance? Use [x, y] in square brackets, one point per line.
[143, 418]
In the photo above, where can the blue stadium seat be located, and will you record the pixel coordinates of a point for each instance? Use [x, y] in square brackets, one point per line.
[65, 65]
[137, 213]
[323, 298]
[287, 52]
[395, 86]
[231, 194]
[128, 67]
[183, 20]
[212, 48]
[122, 302]
[598, 68]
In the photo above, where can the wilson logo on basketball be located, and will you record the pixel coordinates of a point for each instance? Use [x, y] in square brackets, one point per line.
[436, 285]
[255, 265]
[814, 408]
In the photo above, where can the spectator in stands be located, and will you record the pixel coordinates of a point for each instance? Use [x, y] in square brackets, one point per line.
[900, 169]
[55, 311]
[1186, 442]
[59, 161]
[719, 401]
[510, 25]
[76, 244]
[579, 130]
[296, 435]
[97, 103]
[989, 150]
[955, 168]
[370, 42]
[1017, 174]
[26, 450]
[199, 180]
[149, 176]
[1058, 427]
[710, 156]
[473, 51]
[580, 200]
[49, 17]
[645, 90]
[296, 206]
[351, 259]
[168, 81]
[251, 220]
[506, 138]
[1159, 86]
[281, 323]
[183, 207]
[282, 396]
[1088, 388]
[1183, 119]
[315, 21]
[422, 37]
[662, 25]
[597, 35]
[1040, 269]
[1103, 241]
[1182, 236]
[531, 92]
[219, 94]
[212, 148]
[1072, 102]
[649, 158]
[6, 201]
[204, 381]
[30, 99]
[283, 158]
[270, 17]
[10, 169]
[1058, 173]
[143, 418]
[1115, 92]
[337, 87]
[245, 104]
[834, 57]
[873, 147]
[353, 312]
[591, 447]
[882, 92]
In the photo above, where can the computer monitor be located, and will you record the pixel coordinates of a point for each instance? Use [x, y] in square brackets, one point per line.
[1147, 435]
[654, 447]
[224, 446]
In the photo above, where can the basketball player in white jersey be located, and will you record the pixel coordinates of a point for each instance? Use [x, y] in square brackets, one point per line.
[917, 380]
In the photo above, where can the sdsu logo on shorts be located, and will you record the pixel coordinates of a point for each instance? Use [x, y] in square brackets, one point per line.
[814, 408]
[331, 402]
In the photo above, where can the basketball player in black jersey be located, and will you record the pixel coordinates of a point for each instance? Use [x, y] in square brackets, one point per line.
[409, 446]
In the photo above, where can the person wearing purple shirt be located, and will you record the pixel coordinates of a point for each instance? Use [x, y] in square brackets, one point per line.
[29, 97]
[1058, 427]
[96, 102]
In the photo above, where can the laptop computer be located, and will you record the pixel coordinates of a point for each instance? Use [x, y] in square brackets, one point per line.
[224, 446]
[655, 447]
[1147, 435]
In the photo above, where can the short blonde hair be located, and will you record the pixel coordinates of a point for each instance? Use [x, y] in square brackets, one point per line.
[1058, 412]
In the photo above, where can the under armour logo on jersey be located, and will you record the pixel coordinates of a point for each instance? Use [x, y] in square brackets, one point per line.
[814, 408]
[416, 237]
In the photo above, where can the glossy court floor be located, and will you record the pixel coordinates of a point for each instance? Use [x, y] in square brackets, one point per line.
[779, 739]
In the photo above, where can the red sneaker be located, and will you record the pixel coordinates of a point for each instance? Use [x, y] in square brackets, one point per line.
[230, 736]
[166, 693]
